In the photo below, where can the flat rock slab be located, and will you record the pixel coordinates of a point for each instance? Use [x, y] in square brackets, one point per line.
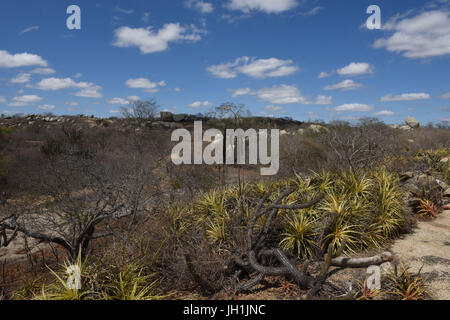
[429, 246]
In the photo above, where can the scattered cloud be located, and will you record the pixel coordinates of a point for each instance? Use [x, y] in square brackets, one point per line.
[323, 100]
[21, 78]
[2, 99]
[71, 103]
[146, 17]
[88, 89]
[282, 94]
[406, 97]
[255, 68]
[312, 12]
[202, 6]
[345, 85]
[351, 70]
[125, 11]
[241, 92]
[133, 98]
[446, 96]
[119, 101]
[143, 83]
[177, 89]
[47, 107]
[324, 75]
[273, 111]
[423, 36]
[92, 91]
[43, 71]
[356, 69]
[268, 6]
[200, 104]
[78, 75]
[151, 41]
[354, 107]
[22, 101]
[384, 113]
[8, 60]
[28, 30]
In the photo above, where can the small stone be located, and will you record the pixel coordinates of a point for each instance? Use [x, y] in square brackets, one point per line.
[446, 193]
[406, 176]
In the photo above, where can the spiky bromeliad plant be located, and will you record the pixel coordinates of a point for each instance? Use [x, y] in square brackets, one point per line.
[406, 286]
[59, 289]
[300, 234]
[130, 283]
[428, 209]
[364, 209]
[387, 201]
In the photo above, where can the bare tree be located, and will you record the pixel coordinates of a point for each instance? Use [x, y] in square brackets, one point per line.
[140, 112]
[359, 146]
[259, 247]
[230, 111]
[83, 195]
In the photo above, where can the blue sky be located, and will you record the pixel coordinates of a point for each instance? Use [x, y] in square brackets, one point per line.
[306, 59]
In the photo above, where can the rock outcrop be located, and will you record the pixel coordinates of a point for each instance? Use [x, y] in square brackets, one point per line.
[412, 123]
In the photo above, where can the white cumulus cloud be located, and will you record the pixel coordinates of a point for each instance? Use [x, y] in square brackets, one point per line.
[201, 104]
[150, 41]
[87, 89]
[202, 6]
[356, 69]
[43, 71]
[384, 113]
[324, 75]
[353, 107]
[22, 101]
[323, 100]
[406, 97]
[268, 6]
[241, 92]
[255, 68]
[283, 94]
[47, 107]
[118, 101]
[345, 85]
[21, 78]
[8, 60]
[143, 83]
[423, 36]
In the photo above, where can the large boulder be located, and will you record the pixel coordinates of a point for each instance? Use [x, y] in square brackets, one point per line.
[412, 123]
[179, 117]
[315, 128]
[406, 128]
[166, 116]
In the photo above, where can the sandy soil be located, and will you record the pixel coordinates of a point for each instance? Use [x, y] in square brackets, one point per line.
[16, 251]
[429, 248]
